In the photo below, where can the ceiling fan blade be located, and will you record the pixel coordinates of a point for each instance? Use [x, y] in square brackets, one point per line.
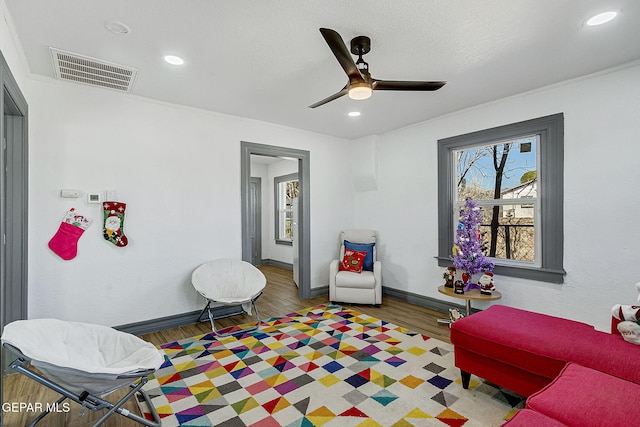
[406, 85]
[339, 49]
[333, 97]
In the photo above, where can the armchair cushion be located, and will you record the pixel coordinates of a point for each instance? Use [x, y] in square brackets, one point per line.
[362, 247]
[352, 261]
[348, 279]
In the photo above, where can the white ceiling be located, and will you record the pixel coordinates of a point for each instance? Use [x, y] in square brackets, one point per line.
[266, 59]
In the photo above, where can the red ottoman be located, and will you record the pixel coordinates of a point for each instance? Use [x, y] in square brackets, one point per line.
[524, 351]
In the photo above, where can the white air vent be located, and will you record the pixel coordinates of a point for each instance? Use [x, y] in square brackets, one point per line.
[95, 72]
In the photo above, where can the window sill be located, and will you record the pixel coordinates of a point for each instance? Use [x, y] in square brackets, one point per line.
[530, 273]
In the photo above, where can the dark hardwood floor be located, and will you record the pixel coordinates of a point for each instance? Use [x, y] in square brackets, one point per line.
[280, 297]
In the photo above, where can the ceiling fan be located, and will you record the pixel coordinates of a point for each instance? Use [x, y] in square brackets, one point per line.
[361, 84]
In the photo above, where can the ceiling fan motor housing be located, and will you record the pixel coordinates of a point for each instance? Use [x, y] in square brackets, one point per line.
[360, 45]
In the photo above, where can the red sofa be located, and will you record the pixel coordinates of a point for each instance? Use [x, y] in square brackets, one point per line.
[524, 351]
[566, 368]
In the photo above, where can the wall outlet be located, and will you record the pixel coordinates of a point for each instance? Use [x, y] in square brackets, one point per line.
[70, 193]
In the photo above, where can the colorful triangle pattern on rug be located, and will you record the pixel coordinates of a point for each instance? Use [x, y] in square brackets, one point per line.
[323, 366]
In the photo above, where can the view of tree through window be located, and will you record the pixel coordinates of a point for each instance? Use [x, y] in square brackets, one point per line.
[502, 178]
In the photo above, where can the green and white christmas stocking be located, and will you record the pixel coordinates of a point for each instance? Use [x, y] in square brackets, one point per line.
[114, 223]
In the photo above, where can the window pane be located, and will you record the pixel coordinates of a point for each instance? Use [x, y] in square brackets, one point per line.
[282, 195]
[506, 169]
[509, 232]
[291, 192]
[286, 189]
[288, 225]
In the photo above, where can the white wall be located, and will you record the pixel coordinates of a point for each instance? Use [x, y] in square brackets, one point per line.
[601, 203]
[178, 170]
[10, 48]
[174, 167]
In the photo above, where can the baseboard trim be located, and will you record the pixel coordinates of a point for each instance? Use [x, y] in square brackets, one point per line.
[159, 324]
[321, 291]
[422, 301]
[177, 320]
[276, 263]
[409, 297]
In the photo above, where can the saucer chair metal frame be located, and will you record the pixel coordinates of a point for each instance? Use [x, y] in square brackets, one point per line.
[217, 332]
[88, 400]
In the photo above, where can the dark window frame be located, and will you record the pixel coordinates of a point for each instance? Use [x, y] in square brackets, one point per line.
[551, 188]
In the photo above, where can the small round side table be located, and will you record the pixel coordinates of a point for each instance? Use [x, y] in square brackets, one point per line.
[473, 294]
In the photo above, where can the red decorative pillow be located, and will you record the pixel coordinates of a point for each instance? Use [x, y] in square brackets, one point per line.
[352, 261]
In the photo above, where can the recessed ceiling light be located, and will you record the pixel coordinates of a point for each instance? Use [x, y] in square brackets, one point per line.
[354, 113]
[117, 28]
[173, 60]
[601, 18]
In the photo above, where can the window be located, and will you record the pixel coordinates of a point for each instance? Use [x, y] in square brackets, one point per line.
[285, 190]
[502, 178]
[515, 173]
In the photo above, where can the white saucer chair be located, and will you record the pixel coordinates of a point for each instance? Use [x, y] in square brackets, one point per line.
[358, 288]
[83, 362]
[229, 282]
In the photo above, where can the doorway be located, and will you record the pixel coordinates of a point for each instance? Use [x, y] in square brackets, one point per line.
[304, 246]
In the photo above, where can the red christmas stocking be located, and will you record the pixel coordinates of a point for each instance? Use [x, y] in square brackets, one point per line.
[114, 223]
[65, 242]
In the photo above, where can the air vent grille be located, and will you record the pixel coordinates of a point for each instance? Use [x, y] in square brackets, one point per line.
[95, 72]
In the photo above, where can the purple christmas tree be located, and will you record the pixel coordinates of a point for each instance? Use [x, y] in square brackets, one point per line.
[467, 252]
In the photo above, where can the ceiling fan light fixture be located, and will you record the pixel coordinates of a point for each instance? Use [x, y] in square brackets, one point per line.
[360, 91]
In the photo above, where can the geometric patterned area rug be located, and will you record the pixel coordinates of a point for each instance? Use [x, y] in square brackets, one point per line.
[322, 366]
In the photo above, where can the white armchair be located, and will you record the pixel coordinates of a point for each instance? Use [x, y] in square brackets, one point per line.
[359, 288]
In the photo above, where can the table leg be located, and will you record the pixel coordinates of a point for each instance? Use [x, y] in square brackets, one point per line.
[468, 307]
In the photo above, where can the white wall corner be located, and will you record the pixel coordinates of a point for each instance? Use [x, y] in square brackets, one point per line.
[12, 50]
[364, 163]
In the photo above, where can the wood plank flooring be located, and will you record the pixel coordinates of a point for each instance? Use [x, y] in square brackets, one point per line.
[280, 297]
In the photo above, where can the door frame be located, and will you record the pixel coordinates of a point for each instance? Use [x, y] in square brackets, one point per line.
[14, 196]
[303, 157]
[255, 212]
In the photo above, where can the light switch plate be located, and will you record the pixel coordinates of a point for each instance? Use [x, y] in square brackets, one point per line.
[69, 193]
